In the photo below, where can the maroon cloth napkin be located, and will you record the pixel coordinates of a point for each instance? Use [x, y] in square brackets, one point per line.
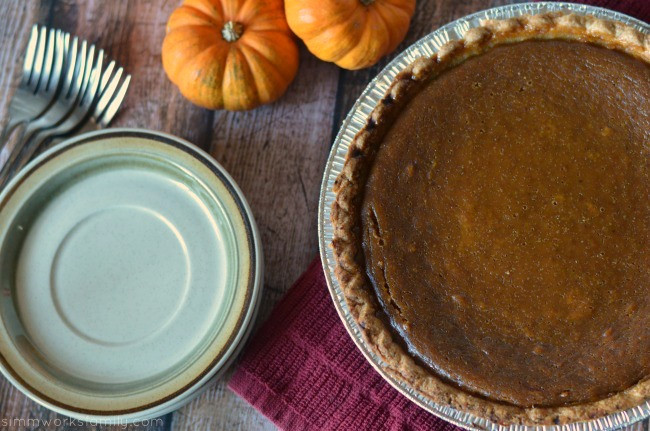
[303, 371]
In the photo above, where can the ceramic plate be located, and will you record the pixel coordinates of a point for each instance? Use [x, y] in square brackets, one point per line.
[130, 270]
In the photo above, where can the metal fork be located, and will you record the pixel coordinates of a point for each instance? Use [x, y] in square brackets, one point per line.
[76, 81]
[89, 97]
[89, 116]
[40, 78]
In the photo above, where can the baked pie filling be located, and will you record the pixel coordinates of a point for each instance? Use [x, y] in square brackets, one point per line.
[506, 223]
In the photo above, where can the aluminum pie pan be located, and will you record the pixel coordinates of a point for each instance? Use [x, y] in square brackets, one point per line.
[355, 121]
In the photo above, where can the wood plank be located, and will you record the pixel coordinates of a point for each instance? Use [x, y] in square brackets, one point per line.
[275, 153]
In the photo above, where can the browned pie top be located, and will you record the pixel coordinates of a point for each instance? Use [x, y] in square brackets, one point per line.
[506, 221]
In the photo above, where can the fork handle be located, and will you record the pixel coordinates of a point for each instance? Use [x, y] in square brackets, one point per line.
[22, 154]
[7, 130]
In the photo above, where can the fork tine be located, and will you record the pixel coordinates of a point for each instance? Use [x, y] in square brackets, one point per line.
[71, 67]
[79, 70]
[99, 66]
[35, 79]
[93, 83]
[30, 53]
[48, 60]
[112, 108]
[106, 76]
[88, 72]
[108, 93]
[59, 53]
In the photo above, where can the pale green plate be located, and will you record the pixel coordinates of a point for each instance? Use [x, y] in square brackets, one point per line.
[130, 270]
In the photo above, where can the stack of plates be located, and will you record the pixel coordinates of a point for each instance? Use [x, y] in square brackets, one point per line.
[130, 274]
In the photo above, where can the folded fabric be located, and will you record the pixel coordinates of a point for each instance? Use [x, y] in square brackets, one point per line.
[303, 371]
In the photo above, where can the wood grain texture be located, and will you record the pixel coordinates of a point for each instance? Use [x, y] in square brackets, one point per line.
[275, 153]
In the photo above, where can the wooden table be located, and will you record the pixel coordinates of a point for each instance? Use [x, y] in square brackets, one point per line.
[275, 153]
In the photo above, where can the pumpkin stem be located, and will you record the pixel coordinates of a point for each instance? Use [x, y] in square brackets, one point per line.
[233, 30]
[367, 2]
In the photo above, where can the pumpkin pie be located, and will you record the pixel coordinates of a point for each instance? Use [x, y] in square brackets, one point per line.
[492, 221]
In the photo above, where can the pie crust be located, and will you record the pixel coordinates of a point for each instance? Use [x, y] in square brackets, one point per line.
[350, 268]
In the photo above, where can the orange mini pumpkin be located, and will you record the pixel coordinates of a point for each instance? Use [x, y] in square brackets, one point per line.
[351, 33]
[232, 54]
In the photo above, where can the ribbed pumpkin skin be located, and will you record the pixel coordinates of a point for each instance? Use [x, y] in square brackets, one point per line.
[241, 74]
[351, 33]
